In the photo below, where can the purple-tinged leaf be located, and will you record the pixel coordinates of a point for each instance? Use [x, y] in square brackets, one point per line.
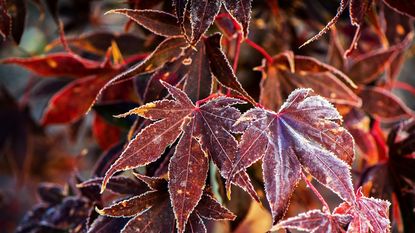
[305, 131]
[188, 172]
[211, 209]
[202, 15]
[241, 11]
[315, 221]
[158, 22]
[220, 66]
[369, 214]
[384, 104]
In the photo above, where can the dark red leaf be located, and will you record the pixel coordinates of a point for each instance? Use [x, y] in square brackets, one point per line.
[158, 22]
[220, 66]
[241, 10]
[195, 225]
[367, 68]
[118, 184]
[304, 134]
[180, 9]
[405, 7]
[202, 15]
[167, 51]
[59, 64]
[198, 83]
[315, 221]
[343, 5]
[285, 74]
[99, 42]
[106, 135]
[5, 20]
[211, 209]
[73, 101]
[105, 224]
[384, 104]
[188, 171]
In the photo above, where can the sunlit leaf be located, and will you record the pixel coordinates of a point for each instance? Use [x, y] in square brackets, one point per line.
[304, 134]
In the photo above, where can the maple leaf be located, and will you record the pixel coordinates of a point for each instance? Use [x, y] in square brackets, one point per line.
[75, 99]
[151, 211]
[205, 134]
[60, 64]
[288, 72]
[315, 221]
[180, 9]
[99, 42]
[221, 68]
[394, 177]
[368, 214]
[202, 15]
[241, 10]
[304, 134]
[381, 103]
[158, 22]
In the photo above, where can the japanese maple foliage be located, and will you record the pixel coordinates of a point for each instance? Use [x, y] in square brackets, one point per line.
[203, 109]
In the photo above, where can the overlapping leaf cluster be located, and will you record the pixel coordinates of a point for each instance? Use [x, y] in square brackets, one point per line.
[189, 125]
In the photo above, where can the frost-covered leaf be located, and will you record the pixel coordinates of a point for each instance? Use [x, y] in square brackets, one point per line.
[241, 10]
[343, 5]
[220, 66]
[202, 15]
[158, 22]
[368, 214]
[205, 134]
[304, 134]
[152, 211]
[188, 171]
[315, 221]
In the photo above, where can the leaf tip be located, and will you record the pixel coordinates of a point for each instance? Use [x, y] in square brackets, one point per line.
[100, 212]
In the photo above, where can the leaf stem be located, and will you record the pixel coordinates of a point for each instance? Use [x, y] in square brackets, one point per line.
[259, 49]
[326, 207]
[236, 55]
[237, 52]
